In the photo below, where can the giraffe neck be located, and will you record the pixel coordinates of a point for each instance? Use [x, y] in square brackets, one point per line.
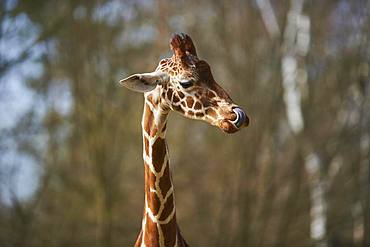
[159, 226]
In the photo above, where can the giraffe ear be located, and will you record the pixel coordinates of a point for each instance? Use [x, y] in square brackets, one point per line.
[144, 82]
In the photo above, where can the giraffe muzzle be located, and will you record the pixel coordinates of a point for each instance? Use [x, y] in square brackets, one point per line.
[241, 118]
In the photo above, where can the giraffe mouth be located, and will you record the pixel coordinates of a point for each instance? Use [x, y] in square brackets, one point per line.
[241, 117]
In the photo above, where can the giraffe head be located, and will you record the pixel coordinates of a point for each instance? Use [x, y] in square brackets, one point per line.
[184, 83]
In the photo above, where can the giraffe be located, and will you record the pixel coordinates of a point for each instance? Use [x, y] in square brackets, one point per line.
[182, 83]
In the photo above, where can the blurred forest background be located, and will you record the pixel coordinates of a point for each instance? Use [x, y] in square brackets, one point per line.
[71, 170]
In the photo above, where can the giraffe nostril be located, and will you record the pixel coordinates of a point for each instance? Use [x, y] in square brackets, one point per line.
[241, 117]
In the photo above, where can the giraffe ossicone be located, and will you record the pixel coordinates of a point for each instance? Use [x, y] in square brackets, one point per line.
[182, 83]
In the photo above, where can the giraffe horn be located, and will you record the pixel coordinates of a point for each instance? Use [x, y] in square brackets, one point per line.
[182, 45]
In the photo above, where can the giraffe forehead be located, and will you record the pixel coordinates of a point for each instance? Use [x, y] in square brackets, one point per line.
[175, 67]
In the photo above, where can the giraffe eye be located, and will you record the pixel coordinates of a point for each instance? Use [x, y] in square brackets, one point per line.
[187, 83]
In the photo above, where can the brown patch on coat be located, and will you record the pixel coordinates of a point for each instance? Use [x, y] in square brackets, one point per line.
[168, 208]
[169, 93]
[158, 153]
[169, 232]
[152, 198]
[146, 146]
[181, 95]
[153, 201]
[197, 106]
[148, 120]
[165, 182]
[190, 102]
[175, 98]
[151, 237]
[199, 114]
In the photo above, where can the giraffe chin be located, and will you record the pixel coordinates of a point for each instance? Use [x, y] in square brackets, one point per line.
[228, 127]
